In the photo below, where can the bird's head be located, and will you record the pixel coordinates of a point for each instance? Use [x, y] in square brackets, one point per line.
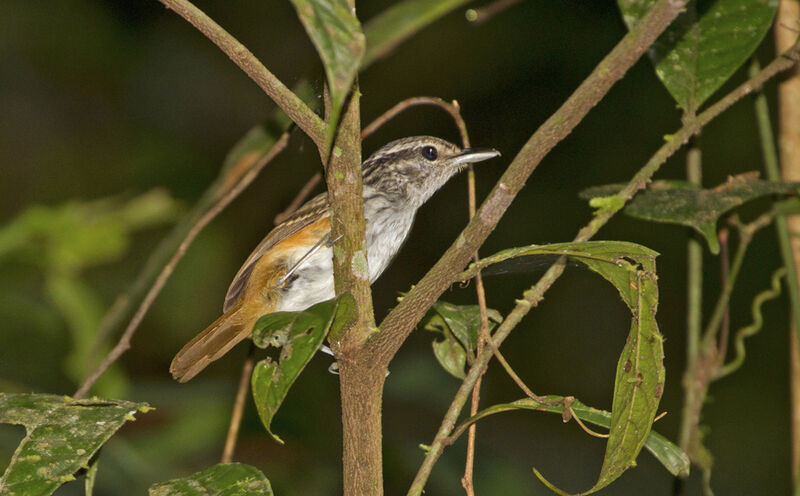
[413, 169]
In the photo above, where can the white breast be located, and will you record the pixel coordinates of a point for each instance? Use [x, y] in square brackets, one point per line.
[386, 231]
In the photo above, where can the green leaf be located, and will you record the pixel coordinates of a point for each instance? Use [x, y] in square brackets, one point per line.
[450, 355]
[299, 335]
[668, 454]
[336, 33]
[62, 435]
[398, 22]
[675, 202]
[705, 45]
[459, 326]
[639, 380]
[224, 479]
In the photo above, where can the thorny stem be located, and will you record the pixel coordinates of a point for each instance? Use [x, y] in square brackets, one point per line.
[535, 294]
[289, 102]
[242, 180]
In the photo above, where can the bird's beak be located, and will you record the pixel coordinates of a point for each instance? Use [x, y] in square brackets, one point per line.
[471, 155]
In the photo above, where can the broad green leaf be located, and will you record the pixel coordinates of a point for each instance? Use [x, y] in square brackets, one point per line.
[62, 435]
[639, 380]
[675, 202]
[398, 22]
[336, 33]
[459, 326]
[703, 47]
[224, 479]
[451, 355]
[668, 454]
[299, 335]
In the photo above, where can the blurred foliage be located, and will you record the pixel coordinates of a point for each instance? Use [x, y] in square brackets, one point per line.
[62, 242]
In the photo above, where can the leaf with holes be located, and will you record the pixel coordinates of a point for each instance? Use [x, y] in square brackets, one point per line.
[336, 33]
[678, 202]
[299, 335]
[224, 479]
[62, 436]
[705, 45]
[639, 380]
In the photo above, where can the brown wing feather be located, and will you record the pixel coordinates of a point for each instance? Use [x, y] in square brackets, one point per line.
[310, 212]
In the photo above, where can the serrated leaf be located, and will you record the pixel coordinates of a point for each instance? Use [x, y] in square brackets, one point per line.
[674, 459]
[62, 435]
[705, 45]
[336, 33]
[677, 203]
[639, 380]
[299, 335]
[224, 479]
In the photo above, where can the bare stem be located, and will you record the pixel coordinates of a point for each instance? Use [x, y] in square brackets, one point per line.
[290, 103]
[238, 182]
[786, 23]
[238, 407]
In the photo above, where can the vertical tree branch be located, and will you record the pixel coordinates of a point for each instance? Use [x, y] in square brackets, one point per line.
[789, 150]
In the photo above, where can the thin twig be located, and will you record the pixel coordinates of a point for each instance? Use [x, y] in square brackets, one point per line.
[450, 108]
[724, 270]
[289, 102]
[300, 198]
[483, 14]
[123, 345]
[583, 426]
[238, 406]
[535, 294]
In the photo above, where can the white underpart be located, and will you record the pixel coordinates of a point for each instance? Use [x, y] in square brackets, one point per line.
[314, 276]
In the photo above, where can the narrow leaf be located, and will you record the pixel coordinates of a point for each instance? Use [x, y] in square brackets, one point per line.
[62, 435]
[299, 335]
[675, 202]
[674, 459]
[703, 47]
[337, 36]
[224, 479]
[639, 379]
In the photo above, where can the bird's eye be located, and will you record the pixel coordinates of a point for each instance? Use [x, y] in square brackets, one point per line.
[430, 153]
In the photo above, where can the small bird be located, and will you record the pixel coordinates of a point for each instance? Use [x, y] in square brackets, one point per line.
[292, 268]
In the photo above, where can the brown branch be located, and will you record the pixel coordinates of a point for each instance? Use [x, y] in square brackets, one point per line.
[289, 102]
[402, 319]
[535, 294]
[238, 182]
[238, 406]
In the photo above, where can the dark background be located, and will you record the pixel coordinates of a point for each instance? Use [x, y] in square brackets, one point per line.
[100, 98]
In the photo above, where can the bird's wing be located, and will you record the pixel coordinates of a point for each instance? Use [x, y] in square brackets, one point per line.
[310, 212]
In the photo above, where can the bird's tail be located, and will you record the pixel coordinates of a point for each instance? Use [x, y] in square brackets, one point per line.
[210, 345]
